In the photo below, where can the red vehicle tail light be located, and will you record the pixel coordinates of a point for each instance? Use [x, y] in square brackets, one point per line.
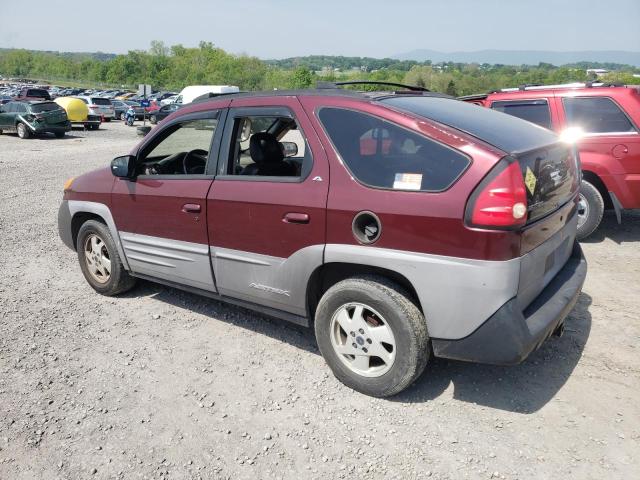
[500, 201]
[93, 106]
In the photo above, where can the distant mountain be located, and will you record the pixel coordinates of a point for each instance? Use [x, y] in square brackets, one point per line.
[74, 55]
[523, 57]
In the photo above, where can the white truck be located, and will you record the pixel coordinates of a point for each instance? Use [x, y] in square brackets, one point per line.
[190, 93]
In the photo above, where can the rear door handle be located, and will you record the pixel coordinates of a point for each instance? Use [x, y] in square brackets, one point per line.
[296, 218]
[191, 208]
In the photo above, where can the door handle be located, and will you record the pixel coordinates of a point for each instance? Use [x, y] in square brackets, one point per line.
[296, 218]
[191, 208]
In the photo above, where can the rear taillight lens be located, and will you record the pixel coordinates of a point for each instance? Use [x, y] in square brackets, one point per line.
[93, 106]
[500, 201]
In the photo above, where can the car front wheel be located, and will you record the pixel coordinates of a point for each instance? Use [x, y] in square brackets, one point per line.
[23, 131]
[99, 260]
[372, 336]
[123, 117]
[590, 210]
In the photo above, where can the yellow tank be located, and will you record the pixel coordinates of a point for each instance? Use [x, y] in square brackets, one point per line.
[76, 109]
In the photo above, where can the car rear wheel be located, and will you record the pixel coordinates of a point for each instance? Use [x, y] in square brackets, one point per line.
[372, 336]
[153, 119]
[23, 131]
[123, 117]
[99, 260]
[590, 210]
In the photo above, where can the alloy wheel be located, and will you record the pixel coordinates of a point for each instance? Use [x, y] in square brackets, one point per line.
[97, 258]
[583, 210]
[363, 340]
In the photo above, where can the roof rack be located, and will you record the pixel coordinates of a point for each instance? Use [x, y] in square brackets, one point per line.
[329, 85]
[522, 88]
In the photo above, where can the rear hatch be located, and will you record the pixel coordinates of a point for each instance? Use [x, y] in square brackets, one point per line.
[103, 106]
[550, 173]
[49, 113]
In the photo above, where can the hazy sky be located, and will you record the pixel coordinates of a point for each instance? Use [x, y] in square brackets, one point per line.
[283, 28]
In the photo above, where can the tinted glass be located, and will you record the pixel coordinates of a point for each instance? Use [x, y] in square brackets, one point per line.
[101, 101]
[45, 107]
[19, 107]
[504, 132]
[596, 115]
[384, 155]
[37, 93]
[534, 111]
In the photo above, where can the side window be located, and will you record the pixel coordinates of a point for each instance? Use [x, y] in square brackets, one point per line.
[382, 154]
[20, 108]
[534, 111]
[183, 149]
[268, 146]
[596, 115]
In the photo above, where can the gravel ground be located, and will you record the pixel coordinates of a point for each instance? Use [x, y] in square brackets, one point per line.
[164, 384]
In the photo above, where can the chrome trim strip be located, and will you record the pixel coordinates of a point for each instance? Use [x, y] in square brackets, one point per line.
[152, 262]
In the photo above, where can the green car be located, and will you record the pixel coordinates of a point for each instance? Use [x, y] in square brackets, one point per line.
[34, 118]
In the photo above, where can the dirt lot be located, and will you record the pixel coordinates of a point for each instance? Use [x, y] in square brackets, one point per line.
[165, 384]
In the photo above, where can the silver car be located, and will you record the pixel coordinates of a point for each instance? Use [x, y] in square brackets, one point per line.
[100, 106]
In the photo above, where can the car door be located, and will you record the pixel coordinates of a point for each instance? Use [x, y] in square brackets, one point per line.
[7, 118]
[161, 214]
[267, 228]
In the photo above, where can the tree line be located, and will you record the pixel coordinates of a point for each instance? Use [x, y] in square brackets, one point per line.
[176, 66]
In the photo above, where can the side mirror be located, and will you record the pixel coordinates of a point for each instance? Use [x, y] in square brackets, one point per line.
[123, 167]
[290, 149]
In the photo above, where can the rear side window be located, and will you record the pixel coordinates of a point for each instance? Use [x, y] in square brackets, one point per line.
[101, 101]
[382, 154]
[596, 115]
[534, 111]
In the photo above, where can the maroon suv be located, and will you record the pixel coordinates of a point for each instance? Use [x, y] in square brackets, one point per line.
[399, 225]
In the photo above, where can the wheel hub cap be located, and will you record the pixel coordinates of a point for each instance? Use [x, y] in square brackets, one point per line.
[583, 210]
[363, 340]
[97, 258]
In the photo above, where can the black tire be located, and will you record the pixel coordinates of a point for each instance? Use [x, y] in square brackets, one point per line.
[60, 134]
[123, 117]
[153, 119]
[107, 119]
[23, 131]
[590, 210]
[119, 280]
[412, 349]
[0, 132]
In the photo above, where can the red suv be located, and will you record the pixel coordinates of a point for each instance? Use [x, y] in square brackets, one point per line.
[398, 224]
[603, 120]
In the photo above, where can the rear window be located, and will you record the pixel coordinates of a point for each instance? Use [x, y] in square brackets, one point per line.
[534, 111]
[504, 132]
[45, 107]
[101, 101]
[38, 93]
[382, 154]
[596, 115]
[551, 178]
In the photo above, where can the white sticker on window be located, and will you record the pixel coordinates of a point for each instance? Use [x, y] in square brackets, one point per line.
[408, 181]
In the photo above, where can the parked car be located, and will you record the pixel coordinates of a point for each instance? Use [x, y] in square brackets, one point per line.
[190, 93]
[78, 113]
[99, 106]
[121, 107]
[29, 93]
[5, 99]
[33, 118]
[456, 237]
[163, 112]
[604, 120]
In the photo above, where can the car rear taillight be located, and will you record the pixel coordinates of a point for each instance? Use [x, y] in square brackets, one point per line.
[93, 106]
[500, 201]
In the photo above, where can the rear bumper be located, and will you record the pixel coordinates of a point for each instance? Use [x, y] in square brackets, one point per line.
[65, 127]
[510, 334]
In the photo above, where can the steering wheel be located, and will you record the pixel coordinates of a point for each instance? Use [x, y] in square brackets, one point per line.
[194, 159]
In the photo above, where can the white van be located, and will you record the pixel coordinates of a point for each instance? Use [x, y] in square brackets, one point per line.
[189, 94]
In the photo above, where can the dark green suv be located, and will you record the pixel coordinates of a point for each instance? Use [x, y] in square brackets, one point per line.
[34, 118]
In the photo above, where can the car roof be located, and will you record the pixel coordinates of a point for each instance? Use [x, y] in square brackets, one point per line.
[539, 91]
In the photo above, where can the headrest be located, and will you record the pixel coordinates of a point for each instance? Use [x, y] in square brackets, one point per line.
[265, 148]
